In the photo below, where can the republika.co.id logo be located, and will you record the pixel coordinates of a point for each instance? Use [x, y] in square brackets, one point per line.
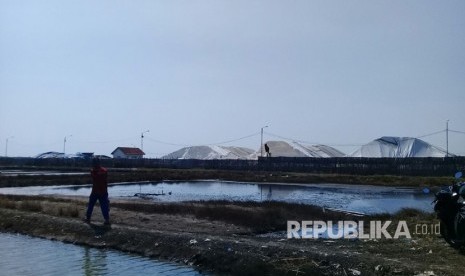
[376, 229]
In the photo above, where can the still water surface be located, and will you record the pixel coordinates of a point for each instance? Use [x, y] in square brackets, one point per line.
[24, 255]
[358, 198]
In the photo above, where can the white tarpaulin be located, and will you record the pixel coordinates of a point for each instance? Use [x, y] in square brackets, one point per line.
[295, 149]
[277, 149]
[210, 152]
[398, 147]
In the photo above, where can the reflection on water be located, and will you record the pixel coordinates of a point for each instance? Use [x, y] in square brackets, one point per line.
[95, 262]
[23, 255]
[358, 198]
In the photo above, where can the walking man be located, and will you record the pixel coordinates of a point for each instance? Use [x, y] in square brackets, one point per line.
[99, 192]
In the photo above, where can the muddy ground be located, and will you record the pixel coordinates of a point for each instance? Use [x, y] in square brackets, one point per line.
[141, 174]
[229, 238]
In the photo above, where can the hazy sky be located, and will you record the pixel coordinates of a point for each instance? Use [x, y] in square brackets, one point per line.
[202, 72]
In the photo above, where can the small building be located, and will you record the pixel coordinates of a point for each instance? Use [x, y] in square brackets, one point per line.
[128, 153]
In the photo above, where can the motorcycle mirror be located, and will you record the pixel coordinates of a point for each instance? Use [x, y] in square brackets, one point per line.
[458, 175]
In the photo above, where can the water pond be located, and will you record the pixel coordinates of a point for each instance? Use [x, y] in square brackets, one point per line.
[24, 255]
[357, 198]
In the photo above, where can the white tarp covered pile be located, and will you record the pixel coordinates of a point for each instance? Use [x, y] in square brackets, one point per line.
[210, 152]
[51, 154]
[277, 149]
[54, 154]
[295, 149]
[398, 147]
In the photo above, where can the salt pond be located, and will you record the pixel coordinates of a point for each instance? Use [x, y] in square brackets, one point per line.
[358, 198]
[24, 255]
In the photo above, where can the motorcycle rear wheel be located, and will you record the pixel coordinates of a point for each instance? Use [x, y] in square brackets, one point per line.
[449, 236]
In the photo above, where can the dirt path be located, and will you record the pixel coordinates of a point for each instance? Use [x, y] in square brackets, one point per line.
[215, 245]
[132, 175]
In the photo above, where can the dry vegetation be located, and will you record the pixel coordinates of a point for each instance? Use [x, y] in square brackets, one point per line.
[132, 175]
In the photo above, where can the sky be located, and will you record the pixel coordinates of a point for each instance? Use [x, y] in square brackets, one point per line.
[340, 73]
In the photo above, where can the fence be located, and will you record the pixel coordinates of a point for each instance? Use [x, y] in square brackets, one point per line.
[367, 166]
[344, 165]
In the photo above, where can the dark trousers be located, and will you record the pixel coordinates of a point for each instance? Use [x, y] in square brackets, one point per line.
[104, 205]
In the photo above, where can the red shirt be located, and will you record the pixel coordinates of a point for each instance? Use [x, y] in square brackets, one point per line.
[99, 180]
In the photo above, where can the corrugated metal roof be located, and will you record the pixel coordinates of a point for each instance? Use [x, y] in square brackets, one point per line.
[129, 151]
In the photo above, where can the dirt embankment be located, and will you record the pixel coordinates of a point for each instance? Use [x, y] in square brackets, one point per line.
[129, 175]
[227, 237]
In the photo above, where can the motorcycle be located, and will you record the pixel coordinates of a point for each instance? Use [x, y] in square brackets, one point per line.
[450, 209]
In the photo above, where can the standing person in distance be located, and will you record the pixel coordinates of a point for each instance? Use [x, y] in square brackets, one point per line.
[99, 192]
[267, 150]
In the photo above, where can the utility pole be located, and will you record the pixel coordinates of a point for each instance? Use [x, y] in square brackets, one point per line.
[447, 138]
[261, 141]
[64, 145]
[6, 146]
[142, 139]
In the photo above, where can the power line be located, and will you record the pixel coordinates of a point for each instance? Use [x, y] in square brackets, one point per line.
[166, 143]
[238, 139]
[431, 134]
[39, 145]
[229, 141]
[456, 131]
[353, 145]
[206, 144]
[105, 142]
[313, 143]
[286, 138]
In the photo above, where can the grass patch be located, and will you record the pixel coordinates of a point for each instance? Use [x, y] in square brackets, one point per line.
[56, 206]
[408, 214]
[7, 203]
[24, 203]
[31, 206]
[416, 220]
[68, 211]
[258, 216]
